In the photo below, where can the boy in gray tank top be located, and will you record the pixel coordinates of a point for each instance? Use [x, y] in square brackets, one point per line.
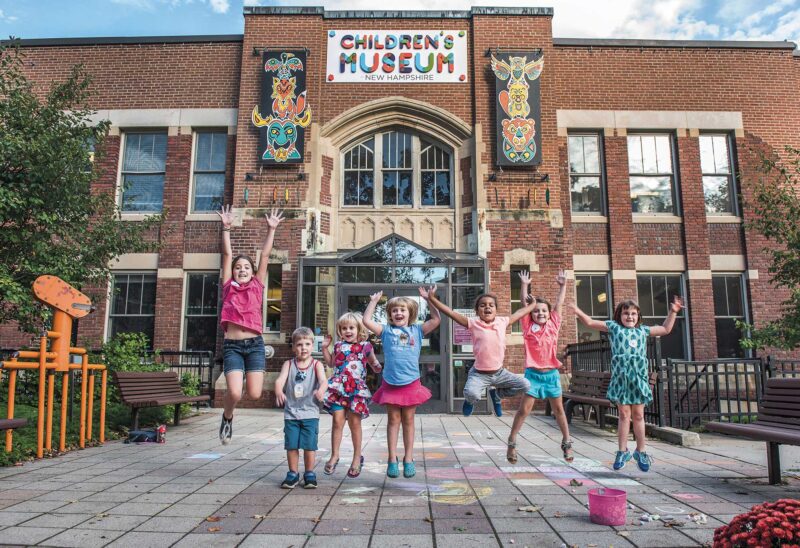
[299, 387]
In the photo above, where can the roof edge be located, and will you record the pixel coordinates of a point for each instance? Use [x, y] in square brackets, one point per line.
[397, 14]
[125, 40]
[626, 43]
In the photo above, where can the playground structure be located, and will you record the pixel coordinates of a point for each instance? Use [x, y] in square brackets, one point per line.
[68, 304]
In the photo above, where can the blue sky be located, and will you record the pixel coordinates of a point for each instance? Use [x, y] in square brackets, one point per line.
[654, 19]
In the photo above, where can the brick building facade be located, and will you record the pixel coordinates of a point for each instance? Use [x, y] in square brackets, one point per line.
[636, 195]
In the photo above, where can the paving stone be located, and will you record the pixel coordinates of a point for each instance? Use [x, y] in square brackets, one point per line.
[216, 540]
[27, 535]
[166, 498]
[14, 518]
[521, 525]
[402, 527]
[82, 507]
[665, 537]
[466, 541]
[61, 521]
[403, 512]
[85, 538]
[218, 498]
[350, 511]
[234, 525]
[138, 539]
[273, 541]
[350, 541]
[37, 506]
[573, 523]
[595, 538]
[181, 509]
[343, 527]
[702, 536]
[457, 510]
[138, 508]
[118, 523]
[171, 524]
[461, 525]
[281, 526]
[544, 540]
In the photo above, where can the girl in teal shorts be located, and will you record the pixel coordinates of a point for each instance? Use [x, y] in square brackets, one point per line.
[540, 334]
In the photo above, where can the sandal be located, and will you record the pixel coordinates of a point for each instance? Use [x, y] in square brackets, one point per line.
[566, 448]
[511, 453]
[355, 471]
[330, 467]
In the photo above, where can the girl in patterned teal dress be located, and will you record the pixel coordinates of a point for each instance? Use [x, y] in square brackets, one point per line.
[629, 388]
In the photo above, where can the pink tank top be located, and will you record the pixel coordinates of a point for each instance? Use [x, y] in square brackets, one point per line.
[242, 304]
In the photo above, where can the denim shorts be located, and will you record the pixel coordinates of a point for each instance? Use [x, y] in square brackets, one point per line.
[544, 384]
[300, 434]
[246, 355]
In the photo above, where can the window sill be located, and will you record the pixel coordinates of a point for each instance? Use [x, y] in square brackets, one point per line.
[657, 219]
[136, 216]
[589, 218]
[202, 217]
[272, 337]
[723, 219]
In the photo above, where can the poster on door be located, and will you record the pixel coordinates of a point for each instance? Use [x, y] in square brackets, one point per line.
[461, 335]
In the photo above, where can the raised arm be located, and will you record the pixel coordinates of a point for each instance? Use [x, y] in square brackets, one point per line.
[434, 301]
[522, 312]
[587, 321]
[369, 323]
[274, 218]
[326, 350]
[280, 382]
[436, 319]
[561, 280]
[669, 322]
[226, 216]
[319, 370]
[525, 284]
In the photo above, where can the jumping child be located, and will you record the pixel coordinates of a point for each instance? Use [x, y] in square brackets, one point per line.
[630, 388]
[401, 390]
[488, 332]
[301, 381]
[540, 335]
[241, 318]
[348, 396]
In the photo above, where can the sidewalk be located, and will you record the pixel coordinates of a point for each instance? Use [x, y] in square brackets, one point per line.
[194, 492]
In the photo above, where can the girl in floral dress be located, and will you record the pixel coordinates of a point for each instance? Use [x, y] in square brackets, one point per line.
[347, 397]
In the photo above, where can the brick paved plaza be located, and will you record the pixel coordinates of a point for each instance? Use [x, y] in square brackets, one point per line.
[194, 492]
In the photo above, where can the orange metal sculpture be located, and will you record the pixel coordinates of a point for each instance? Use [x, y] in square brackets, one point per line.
[68, 304]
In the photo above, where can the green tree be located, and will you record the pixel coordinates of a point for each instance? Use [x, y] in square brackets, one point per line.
[775, 205]
[52, 220]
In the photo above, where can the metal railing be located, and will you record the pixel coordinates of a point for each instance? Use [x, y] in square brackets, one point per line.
[196, 362]
[776, 367]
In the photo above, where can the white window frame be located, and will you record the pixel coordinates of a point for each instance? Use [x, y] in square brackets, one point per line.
[601, 174]
[192, 171]
[124, 134]
[673, 175]
[731, 175]
[416, 172]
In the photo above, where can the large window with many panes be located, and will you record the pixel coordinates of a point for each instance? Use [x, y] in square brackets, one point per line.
[397, 168]
[586, 173]
[592, 294]
[208, 172]
[144, 164]
[200, 317]
[718, 180]
[652, 174]
[655, 295]
[133, 305]
[729, 307]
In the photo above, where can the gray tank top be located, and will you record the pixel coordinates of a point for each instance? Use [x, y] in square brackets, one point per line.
[299, 390]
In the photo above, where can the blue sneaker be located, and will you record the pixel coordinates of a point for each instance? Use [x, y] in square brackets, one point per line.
[621, 459]
[643, 460]
[309, 480]
[467, 408]
[291, 481]
[409, 469]
[393, 470]
[496, 404]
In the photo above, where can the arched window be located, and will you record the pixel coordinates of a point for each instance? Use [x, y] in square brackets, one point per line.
[410, 171]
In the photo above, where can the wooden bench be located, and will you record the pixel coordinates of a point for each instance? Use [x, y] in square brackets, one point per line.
[590, 388]
[140, 389]
[12, 424]
[778, 422]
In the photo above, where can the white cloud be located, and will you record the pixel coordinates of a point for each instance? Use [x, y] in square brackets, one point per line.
[220, 6]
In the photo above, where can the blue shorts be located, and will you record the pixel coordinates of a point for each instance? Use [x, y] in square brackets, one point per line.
[300, 434]
[544, 384]
[246, 355]
[332, 408]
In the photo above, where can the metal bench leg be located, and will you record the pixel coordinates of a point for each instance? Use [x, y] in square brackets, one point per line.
[774, 462]
[135, 418]
[177, 420]
[601, 416]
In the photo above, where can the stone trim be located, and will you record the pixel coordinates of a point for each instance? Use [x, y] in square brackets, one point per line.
[580, 219]
[699, 274]
[623, 274]
[591, 263]
[644, 218]
[170, 273]
[169, 117]
[649, 119]
[202, 261]
[135, 261]
[519, 256]
[735, 263]
[660, 263]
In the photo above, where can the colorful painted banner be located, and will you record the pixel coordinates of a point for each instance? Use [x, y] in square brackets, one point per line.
[406, 56]
[518, 107]
[283, 113]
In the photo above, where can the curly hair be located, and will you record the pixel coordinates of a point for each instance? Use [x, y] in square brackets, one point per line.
[408, 302]
[352, 317]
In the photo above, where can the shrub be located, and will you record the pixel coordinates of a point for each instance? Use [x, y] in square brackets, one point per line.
[772, 524]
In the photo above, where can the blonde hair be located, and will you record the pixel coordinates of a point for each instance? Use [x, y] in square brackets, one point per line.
[356, 318]
[408, 302]
[302, 333]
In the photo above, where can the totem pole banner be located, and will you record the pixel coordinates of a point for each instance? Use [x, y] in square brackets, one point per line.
[518, 107]
[283, 114]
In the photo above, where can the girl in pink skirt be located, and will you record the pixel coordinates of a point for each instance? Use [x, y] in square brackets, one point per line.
[401, 391]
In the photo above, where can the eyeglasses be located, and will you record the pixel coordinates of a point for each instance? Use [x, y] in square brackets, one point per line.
[301, 376]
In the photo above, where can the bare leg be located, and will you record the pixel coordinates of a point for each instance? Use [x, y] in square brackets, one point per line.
[623, 426]
[392, 430]
[525, 408]
[234, 380]
[354, 421]
[557, 405]
[255, 383]
[293, 457]
[637, 414]
[336, 437]
[408, 432]
[309, 460]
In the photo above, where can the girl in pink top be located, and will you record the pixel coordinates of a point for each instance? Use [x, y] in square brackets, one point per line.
[540, 334]
[242, 318]
[488, 332]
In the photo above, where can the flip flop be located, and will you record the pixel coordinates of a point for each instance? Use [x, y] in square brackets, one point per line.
[330, 468]
[355, 471]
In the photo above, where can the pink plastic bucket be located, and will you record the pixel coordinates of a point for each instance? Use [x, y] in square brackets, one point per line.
[608, 506]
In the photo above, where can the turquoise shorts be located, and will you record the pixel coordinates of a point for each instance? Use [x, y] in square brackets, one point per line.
[544, 384]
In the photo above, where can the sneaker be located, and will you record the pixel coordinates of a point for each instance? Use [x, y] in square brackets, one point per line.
[467, 408]
[409, 469]
[621, 459]
[225, 430]
[309, 480]
[291, 481]
[393, 470]
[496, 404]
[643, 460]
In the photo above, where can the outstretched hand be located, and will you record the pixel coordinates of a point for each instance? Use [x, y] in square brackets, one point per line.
[326, 341]
[677, 304]
[561, 277]
[525, 277]
[274, 218]
[375, 297]
[427, 292]
[226, 216]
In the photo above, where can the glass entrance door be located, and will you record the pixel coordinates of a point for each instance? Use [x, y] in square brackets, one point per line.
[433, 353]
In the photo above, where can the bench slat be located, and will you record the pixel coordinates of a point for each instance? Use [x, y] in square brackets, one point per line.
[11, 424]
